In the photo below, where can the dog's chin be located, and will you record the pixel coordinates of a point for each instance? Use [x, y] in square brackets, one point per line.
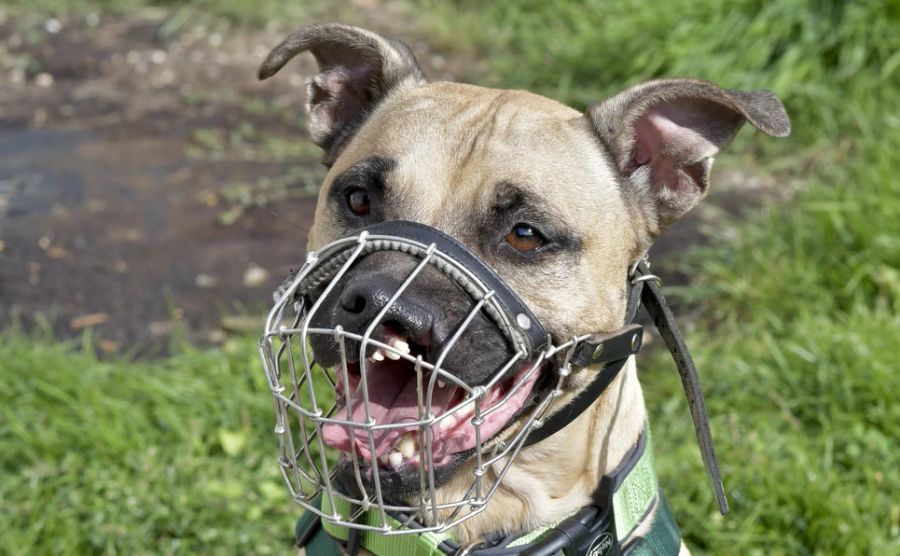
[400, 486]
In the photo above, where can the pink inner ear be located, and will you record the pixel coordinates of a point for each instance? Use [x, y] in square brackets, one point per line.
[658, 141]
[647, 141]
[673, 137]
[337, 96]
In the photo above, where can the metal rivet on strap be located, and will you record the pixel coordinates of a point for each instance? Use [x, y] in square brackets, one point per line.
[598, 351]
[523, 321]
[635, 342]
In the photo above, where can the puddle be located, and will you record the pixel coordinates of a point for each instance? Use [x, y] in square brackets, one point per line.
[29, 181]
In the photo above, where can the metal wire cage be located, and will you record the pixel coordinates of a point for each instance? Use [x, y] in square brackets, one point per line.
[309, 397]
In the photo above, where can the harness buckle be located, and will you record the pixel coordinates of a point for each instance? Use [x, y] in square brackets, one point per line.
[590, 532]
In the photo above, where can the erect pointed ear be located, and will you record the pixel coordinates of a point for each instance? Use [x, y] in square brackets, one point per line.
[357, 68]
[663, 135]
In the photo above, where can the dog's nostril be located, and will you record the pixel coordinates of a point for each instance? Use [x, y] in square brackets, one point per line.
[355, 304]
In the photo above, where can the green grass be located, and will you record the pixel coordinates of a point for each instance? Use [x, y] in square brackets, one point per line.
[117, 457]
[797, 339]
[806, 429]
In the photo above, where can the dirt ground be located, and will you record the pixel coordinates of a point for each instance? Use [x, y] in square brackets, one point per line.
[150, 186]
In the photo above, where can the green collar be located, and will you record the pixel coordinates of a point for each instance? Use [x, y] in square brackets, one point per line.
[636, 499]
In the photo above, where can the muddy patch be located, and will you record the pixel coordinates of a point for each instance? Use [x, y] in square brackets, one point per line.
[129, 233]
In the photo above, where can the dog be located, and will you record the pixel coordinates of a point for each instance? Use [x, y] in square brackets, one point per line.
[559, 203]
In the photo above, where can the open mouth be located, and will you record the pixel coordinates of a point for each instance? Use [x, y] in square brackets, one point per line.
[463, 416]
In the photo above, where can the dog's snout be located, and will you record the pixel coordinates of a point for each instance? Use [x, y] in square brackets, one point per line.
[362, 301]
[428, 313]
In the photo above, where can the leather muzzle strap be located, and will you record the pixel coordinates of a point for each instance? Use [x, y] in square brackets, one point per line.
[608, 351]
[655, 305]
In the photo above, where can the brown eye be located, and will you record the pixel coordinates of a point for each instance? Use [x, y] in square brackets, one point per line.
[524, 237]
[359, 202]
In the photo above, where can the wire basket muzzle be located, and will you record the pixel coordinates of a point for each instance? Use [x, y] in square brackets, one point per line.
[380, 433]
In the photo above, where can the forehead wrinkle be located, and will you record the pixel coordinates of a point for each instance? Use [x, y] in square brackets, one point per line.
[482, 125]
[466, 157]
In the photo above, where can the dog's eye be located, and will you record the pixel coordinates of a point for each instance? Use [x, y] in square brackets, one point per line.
[524, 237]
[358, 201]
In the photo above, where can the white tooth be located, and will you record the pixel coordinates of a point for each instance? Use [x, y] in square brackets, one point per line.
[406, 445]
[377, 356]
[384, 459]
[441, 383]
[391, 354]
[448, 423]
[401, 346]
[395, 458]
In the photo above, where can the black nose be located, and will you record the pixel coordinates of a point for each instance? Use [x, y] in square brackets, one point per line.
[363, 299]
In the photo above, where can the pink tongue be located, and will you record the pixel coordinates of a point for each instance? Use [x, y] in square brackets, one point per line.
[394, 399]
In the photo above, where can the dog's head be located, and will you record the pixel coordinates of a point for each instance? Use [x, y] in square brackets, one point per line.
[559, 203]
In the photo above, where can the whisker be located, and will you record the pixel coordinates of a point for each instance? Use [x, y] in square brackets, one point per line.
[289, 221]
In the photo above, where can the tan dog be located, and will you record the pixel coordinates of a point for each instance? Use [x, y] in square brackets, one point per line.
[560, 203]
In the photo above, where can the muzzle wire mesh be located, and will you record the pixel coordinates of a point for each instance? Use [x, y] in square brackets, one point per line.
[302, 390]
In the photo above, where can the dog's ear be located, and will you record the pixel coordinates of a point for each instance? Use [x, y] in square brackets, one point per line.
[663, 135]
[357, 68]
